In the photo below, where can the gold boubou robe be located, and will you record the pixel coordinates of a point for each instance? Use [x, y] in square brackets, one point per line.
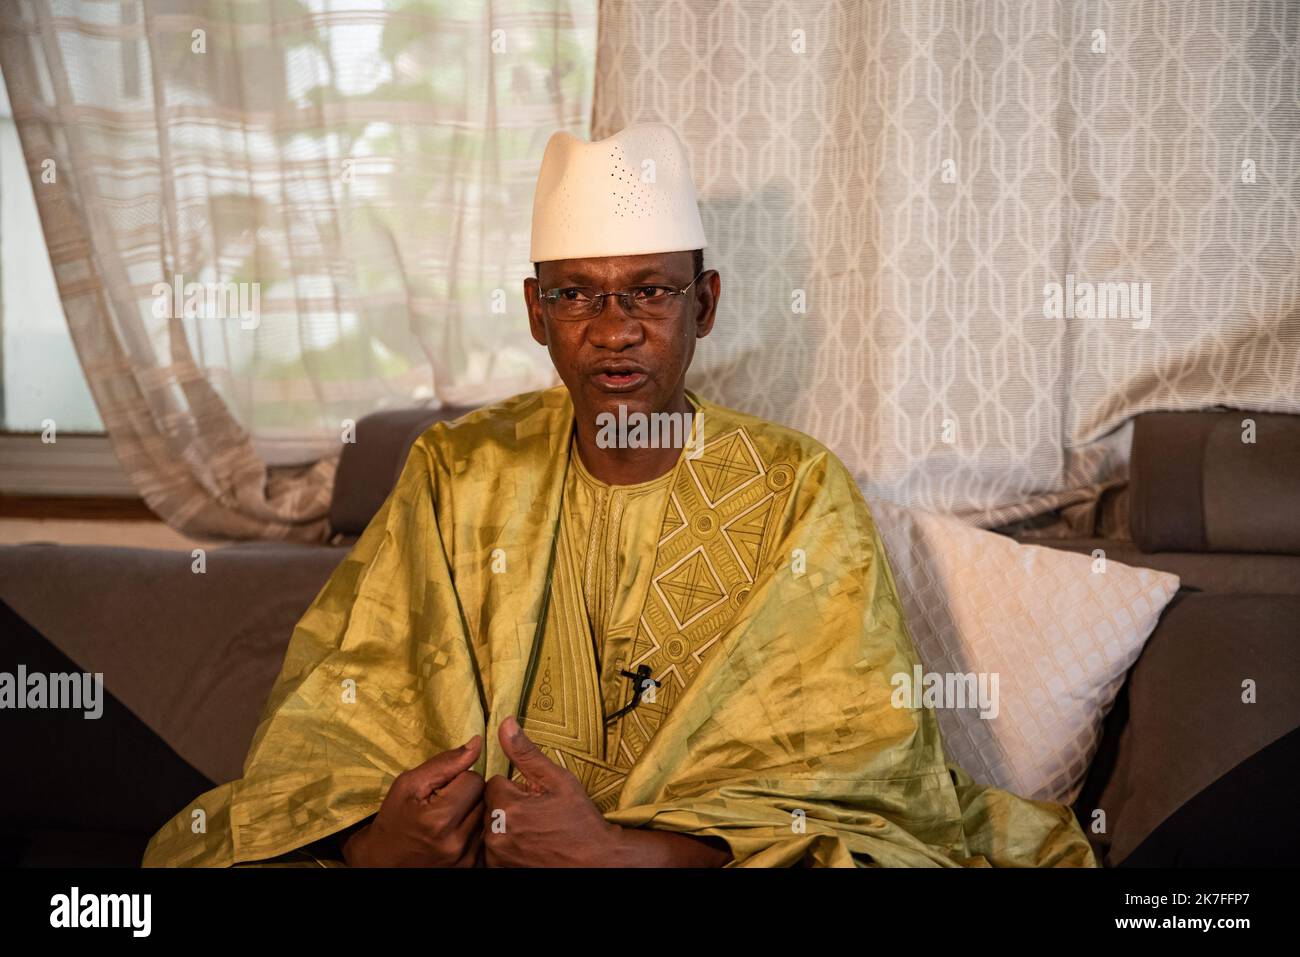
[750, 580]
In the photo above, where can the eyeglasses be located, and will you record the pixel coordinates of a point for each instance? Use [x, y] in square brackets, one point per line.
[658, 301]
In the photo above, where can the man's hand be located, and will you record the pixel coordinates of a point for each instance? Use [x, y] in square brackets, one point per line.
[432, 816]
[550, 822]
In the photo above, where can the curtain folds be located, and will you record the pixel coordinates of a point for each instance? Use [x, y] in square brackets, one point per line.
[906, 200]
[269, 219]
[900, 194]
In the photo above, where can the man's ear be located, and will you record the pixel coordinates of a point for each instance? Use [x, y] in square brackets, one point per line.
[533, 300]
[710, 286]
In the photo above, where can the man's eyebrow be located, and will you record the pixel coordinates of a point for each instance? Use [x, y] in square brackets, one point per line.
[583, 278]
[653, 272]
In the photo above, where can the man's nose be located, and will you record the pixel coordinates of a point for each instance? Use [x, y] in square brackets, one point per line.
[612, 326]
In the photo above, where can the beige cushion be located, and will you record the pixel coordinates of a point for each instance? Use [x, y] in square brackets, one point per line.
[1058, 630]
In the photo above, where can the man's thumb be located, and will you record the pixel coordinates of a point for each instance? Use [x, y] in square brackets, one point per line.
[523, 753]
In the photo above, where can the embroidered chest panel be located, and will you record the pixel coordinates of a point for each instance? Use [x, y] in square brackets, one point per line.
[717, 528]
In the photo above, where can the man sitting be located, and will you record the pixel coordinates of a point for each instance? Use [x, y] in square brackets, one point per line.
[611, 623]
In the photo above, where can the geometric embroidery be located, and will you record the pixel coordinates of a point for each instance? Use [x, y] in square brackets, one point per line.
[690, 587]
[719, 518]
[724, 466]
[673, 519]
[745, 533]
[724, 506]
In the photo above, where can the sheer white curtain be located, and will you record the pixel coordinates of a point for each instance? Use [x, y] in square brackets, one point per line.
[889, 188]
[349, 184]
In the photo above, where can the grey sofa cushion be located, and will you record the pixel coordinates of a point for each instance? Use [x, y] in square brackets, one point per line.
[1181, 723]
[1196, 486]
[369, 467]
[194, 656]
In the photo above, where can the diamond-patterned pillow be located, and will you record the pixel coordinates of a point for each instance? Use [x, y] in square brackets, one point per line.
[1058, 630]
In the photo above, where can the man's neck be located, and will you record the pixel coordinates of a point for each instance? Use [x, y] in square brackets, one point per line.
[621, 464]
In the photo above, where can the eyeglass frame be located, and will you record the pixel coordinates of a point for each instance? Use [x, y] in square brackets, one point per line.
[548, 296]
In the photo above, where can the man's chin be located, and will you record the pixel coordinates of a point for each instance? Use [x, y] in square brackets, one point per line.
[624, 404]
[605, 408]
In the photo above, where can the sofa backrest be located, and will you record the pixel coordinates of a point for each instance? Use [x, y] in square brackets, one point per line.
[369, 467]
[1215, 481]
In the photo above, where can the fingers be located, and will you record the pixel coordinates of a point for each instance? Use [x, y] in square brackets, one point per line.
[470, 829]
[499, 791]
[440, 770]
[462, 839]
[459, 798]
[537, 768]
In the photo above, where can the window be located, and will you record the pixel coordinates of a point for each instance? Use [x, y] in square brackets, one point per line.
[41, 375]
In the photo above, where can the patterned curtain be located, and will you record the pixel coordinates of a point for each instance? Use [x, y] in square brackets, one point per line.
[963, 242]
[267, 219]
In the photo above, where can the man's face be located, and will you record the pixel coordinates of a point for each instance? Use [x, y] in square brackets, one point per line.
[652, 354]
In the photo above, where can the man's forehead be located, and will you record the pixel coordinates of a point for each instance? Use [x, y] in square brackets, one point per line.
[629, 268]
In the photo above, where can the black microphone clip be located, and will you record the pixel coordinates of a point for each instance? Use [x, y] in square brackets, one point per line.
[639, 679]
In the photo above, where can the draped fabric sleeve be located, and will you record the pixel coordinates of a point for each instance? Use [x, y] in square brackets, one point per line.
[788, 745]
[378, 676]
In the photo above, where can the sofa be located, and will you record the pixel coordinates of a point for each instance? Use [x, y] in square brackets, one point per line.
[1185, 774]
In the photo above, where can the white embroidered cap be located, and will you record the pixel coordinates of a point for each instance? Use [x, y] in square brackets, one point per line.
[625, 195]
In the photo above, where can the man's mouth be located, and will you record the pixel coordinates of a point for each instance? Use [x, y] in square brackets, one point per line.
[618, 379]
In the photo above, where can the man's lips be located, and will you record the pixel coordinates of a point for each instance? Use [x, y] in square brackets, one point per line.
[619, 378]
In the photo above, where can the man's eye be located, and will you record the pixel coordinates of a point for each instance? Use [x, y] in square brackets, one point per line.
[572, 294]
[650, 292]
